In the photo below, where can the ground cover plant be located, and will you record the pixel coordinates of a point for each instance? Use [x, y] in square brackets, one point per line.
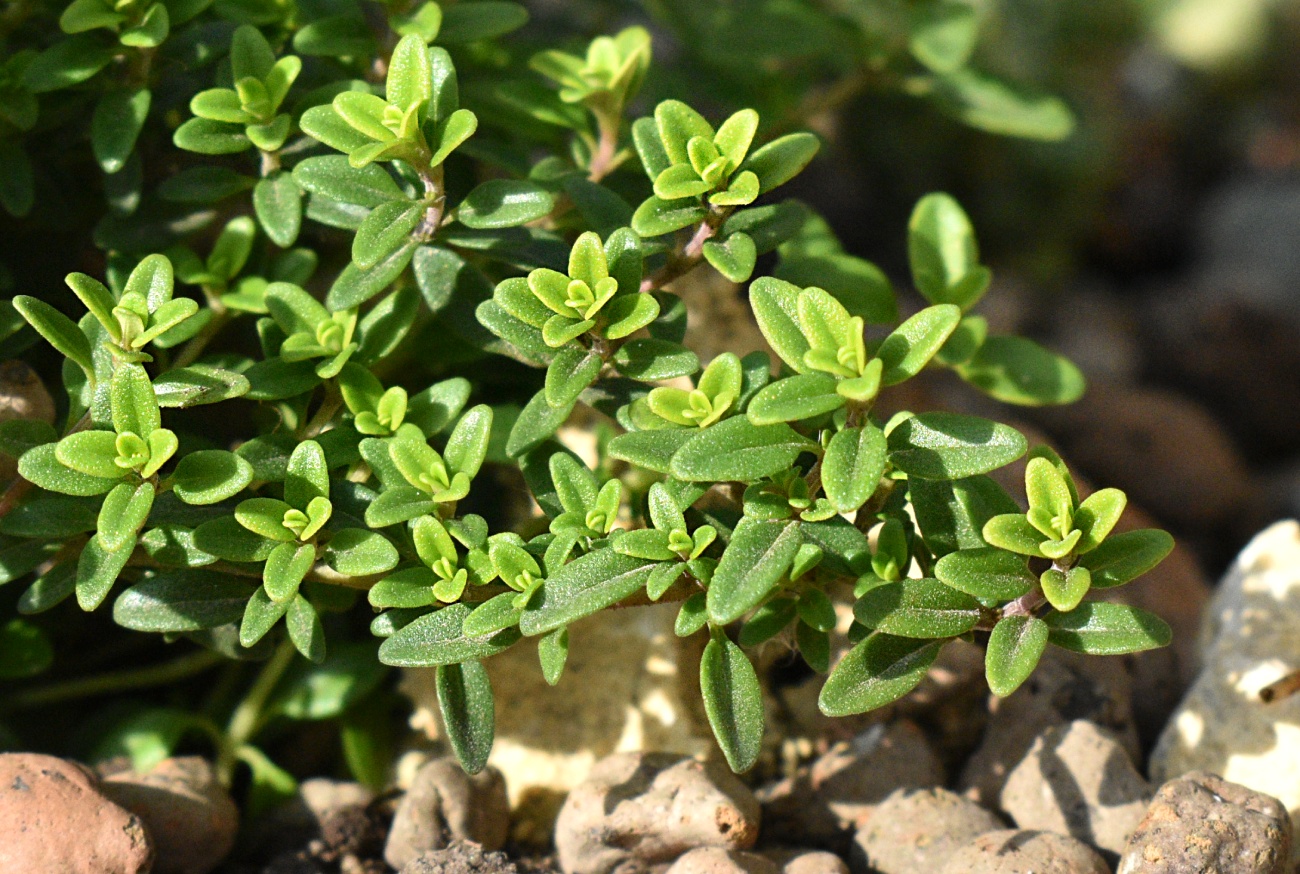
[360, 263]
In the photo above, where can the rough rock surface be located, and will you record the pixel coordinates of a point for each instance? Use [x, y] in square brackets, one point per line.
[716, 860]
[1249, 641]
[807, 862]
[55, 820]
[638, 810]
[629, 684]
[1077, 780]
[917, 830]
[1025, 852]
[1065, 687]
[837, 792]
[460, 857]
[445, 804]
[1202, 823]
[189, 814]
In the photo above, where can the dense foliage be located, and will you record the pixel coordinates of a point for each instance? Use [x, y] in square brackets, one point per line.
[308, 212]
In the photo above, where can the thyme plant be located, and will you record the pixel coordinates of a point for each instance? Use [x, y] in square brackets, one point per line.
[321, 218]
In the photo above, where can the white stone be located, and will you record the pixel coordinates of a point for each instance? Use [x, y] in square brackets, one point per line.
[630, 684]
[1251, 637]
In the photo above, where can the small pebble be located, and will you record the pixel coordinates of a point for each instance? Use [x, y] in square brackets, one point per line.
[915, 831]
[445, 804]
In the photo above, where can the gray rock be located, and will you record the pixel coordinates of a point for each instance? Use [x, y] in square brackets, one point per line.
[460, 857]
[835, 795]
[1202, 824]
[1077, 780]
[55, 820]
[189, 814]
[1025, 852]
[1065, 687]
[638, 810]
[445, 804]
[1248, 642]
[917, 830]
[716, 860]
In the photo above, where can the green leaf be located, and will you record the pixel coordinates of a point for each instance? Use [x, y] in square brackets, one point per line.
[1012, 531]
[776, 307]
[436, 639]
[25, 651]
[996, 107]
[952, 446]
[628, 313]
[259, 617]
[93, 453]
[467, 444]
[656, 217]
[907, 350]
[286, 567]
[1015, 646]
[782, 159]
[178, 601]
[115, 125]
[198, 384]
[943, 253]
[307, 476]
[918, 608]
[97, 570]
[756, 559]
[986, 573]
[857, 284]
[59, 330]
[458, 127]
[49, 590]
[767, 621]
[277, 200]
[479, 20]
[854, 462]
[572, 370]
[385, 231]
[209, 476]
[410, 79]
[355, 552]
[356, 286]
[877, 671]
[537, 421]
[735, 449]
[41, 467]
[653, 450]
[504, 203]
[649, 359]
[68, 62]
[733, 702]
[795, 398]
[1096, 517]
[582, 587]
[553, 652]
[677, 124]
[1017, 370]
[123, 514]
[1125, 557]
[135, 406]
[943, 33]
[226, 538]
[335, 36]
[208, 137]
[333, 177]
[465, 698]
[1101, 628]
[327, 690]
[305, 631]
[1065, 590]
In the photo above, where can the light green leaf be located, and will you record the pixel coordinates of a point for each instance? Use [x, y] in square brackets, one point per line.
[758, 556]
[1017, 370]
[209, 476]
[794, 398]
[782, 159]
[854, 462]
[952, 446]
[59, 330]
[1127, 556]
[907, 350]
[735, 449]
[986, 573]
[123, 514]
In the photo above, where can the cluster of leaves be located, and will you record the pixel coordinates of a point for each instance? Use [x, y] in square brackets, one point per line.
[758, 494]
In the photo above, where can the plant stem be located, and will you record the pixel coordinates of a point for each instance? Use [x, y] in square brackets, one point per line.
[328, 407]
[247, 718]
[116, 682]
[690, 255]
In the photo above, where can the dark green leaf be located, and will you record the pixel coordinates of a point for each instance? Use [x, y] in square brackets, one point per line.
[918, 608]
[952, 446]
[877, 671]
[118, 118]
[733, 702]
[1019, 371]
[504, 203]
[735, 449]
[1100, 628]
[277, 200]
[758, 556]
[437, 639]
[181, 600]
[465, 698]
[986, 573]
[587, 585]
[1127, 556]
[1014, 648]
